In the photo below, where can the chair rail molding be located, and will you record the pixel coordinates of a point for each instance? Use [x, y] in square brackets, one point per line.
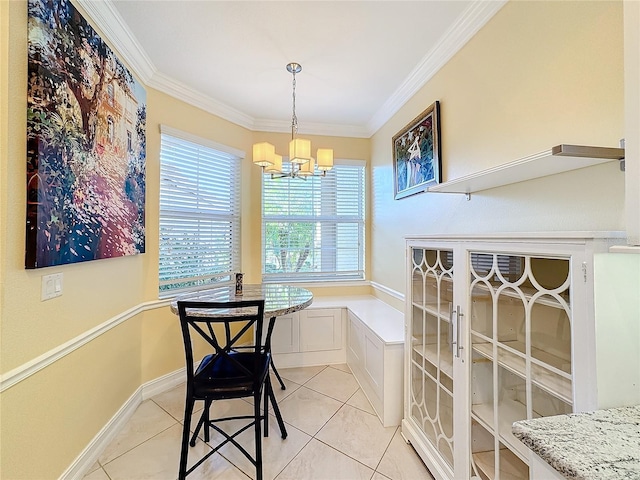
[24, 371]
[384, 289]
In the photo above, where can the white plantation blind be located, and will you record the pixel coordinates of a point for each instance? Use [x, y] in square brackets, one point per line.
[313, 229]
[199, 214]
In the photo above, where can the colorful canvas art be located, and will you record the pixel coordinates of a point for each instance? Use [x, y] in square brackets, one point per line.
[86, 118]
[416, 154]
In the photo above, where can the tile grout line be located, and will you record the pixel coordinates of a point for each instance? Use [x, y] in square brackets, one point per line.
[342, 403]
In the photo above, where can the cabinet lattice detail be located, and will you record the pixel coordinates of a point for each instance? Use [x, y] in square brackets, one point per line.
[497, 331]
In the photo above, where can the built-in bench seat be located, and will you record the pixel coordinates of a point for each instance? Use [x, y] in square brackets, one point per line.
[374, 350]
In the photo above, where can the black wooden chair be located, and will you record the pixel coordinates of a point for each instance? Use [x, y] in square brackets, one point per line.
[226, 373]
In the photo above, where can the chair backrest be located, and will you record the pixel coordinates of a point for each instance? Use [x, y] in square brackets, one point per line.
[232, 319]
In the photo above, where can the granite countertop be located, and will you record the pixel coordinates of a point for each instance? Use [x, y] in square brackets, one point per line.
[601, 445]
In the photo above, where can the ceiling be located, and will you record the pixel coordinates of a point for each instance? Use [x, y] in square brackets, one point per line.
[361, 60]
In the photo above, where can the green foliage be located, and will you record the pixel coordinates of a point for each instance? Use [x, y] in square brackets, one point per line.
[288, 245]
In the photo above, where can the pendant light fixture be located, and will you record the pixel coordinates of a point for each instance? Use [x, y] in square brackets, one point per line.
[302, 163]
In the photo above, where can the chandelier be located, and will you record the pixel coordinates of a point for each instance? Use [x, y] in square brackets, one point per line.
[302, 163]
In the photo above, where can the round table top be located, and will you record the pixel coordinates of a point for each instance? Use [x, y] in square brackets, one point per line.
[279, 299]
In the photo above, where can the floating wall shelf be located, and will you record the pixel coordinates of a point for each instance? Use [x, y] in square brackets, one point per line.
[561, 158]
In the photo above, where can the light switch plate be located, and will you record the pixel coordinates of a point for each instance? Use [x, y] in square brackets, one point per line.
[51, 286]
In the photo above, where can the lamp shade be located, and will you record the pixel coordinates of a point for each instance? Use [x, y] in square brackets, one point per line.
[325, 159]
[276, 167]
[263, 154]
[306, 169]
[299, 150]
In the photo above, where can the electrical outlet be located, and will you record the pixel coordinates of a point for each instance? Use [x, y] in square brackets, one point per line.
[51, 286]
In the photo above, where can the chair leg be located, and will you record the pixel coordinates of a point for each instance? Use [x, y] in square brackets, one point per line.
[266, 387]
[276, 410]
[207, 420]
[258, 435]
[273, 367]
[184, 450]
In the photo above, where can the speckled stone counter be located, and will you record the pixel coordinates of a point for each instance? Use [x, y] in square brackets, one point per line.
[601, 445]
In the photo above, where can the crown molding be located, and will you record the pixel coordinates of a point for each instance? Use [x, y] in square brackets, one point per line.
[178, 90]
[110, 23]
[280, 126]
[469, 23]
[107, 19]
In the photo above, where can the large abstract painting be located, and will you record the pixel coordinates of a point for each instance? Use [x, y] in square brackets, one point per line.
[416, 154]
[86, 118]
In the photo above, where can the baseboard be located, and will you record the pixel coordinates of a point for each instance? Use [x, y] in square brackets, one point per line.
[164, 383]
[92, 451]
[310, 359]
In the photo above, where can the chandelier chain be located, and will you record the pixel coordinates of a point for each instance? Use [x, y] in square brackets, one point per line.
[294, 118]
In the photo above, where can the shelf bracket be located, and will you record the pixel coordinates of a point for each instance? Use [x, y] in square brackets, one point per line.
[468, 195]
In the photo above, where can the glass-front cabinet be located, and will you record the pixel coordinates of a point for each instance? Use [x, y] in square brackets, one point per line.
[431, 363]
[498, 330]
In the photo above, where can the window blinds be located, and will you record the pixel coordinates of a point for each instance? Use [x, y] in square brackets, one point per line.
[199, 214]
[313, 228]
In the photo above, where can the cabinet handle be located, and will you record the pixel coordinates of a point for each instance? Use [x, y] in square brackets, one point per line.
[450, 333]
[458, 328]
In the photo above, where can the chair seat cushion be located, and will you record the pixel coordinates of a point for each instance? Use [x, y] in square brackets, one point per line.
[224, 375]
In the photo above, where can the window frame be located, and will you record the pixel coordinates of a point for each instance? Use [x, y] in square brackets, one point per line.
[334, 275]
[230, 155]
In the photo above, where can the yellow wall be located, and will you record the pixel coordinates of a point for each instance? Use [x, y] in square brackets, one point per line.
[538, 74]
[76, 396]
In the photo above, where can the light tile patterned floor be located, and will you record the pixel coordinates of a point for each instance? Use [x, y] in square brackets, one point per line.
[333, 435]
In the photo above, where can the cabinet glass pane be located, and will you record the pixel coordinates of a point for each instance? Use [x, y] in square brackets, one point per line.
[431, 292]
[521, 341]
[551, 333]
[431, 338]
[557, 384]
[432, 358]
[446, 259]
[418, 256]
[482, 452]
[512, 401]
[482, 388]
[512, 360]
[510, 268]
[482, 309]
[446, 294]
[445, 356]
[482, 265]
[550, 273]
[510, 466]
[417, 324]
[511, 319]
[545, 404]
[417, 287]
[446, 415]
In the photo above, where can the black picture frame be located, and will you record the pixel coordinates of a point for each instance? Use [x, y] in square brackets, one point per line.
[416, 154]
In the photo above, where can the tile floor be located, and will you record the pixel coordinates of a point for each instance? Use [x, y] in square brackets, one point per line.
[333, 435]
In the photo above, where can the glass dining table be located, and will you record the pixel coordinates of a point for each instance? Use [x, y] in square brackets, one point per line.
[279, 300]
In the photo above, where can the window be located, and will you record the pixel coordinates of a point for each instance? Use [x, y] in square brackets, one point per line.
[313, 229]
[110, 130]
[199, 212]
[110, 94]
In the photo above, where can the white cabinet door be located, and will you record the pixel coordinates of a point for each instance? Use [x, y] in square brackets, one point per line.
[286, 334]
[321, 329]
[374, 362]
[355, 336]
